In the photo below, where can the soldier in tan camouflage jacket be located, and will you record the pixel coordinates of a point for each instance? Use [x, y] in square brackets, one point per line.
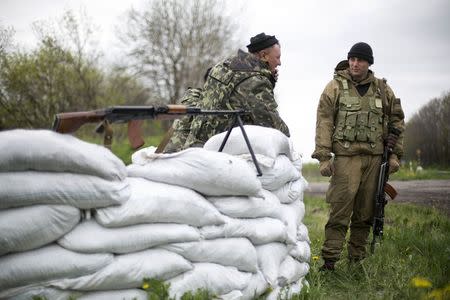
[245, 81]
[354, 114]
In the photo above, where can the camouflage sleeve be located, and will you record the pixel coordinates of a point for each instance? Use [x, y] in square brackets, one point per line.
[396, 119]
[325, 122]
[256, 95]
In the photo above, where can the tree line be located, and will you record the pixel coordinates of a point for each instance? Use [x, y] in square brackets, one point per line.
[167, 47]
[427, 134]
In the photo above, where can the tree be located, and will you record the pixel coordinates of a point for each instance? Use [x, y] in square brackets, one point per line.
[173, 42]
[429, 132]
[61, 74]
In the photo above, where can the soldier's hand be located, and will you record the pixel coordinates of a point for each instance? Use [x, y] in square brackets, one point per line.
[391, 140]
[394, 164]
[326, 168]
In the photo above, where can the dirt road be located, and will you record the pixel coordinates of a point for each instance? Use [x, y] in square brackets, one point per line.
[434, 193]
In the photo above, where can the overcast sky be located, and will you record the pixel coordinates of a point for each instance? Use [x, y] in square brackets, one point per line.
[410, 40]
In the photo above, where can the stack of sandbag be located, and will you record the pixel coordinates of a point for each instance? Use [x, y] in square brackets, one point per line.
[46, 181]
[283, 262]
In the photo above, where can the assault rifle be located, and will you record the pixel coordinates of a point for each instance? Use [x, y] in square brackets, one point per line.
[383, 188]
[70, 122]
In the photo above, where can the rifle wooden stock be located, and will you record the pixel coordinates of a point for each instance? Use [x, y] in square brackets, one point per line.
[72, 121]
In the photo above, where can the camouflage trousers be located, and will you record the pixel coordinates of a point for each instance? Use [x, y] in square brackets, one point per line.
[351, 197]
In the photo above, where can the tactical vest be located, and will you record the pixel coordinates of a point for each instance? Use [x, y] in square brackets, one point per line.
[360, 118]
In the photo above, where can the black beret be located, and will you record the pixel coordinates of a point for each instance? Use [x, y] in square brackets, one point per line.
[261, 41]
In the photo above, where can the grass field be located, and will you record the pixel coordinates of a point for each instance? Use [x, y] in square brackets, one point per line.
[412, 262]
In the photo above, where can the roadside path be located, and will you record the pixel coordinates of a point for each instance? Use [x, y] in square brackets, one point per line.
[435, 193]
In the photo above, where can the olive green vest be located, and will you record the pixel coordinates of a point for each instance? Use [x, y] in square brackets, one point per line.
[359, 118]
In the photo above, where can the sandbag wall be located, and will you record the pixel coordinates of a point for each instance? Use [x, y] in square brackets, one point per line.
[196, 219]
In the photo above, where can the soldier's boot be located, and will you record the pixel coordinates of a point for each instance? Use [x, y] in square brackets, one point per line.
[327, 266]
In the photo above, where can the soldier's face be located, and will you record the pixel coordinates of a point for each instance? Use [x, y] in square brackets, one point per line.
[358, 68]
[273, 58]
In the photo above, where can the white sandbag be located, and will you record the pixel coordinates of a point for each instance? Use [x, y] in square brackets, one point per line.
[207, 172]
[292, 214]
[234, 252]
[291, 191]
[296, 159]
[38, 292]
[216, 278]
[82, 191]
[233, 295]
[91, 237]
[270, 257]
[128, 270]
[300, 251]
[286, 292]
[264, 140]
[248, 207]
[291, 270]
[256, 287]
[258, 231]
[282, 172]
[135, 294]
[155, 202]
[30, 227]
[45, 150]
[302, 233]
[47, 263]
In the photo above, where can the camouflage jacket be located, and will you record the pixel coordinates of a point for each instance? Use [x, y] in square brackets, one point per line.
[327, 116]
[181, 127]
[240, 82]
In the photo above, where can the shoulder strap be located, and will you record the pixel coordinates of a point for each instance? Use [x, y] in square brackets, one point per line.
[382, 87]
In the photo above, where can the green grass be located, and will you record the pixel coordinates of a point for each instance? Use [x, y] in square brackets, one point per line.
[416, 244]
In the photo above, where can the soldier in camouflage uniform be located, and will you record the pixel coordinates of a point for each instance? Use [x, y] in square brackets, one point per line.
[245, 81]
[353, 116]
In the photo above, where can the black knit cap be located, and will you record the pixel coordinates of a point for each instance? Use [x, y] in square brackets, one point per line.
[361, 50]
[261, 41]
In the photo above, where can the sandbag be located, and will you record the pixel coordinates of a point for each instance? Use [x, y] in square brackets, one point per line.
[255, 287]
[47, 263]
[91, 237]
[258, 231]
[282, 172]
[291, 191]
[264, 140]
[286, 292]
[45, 150]
[82, 191]
[234, 252]
[248, 207]
[30, 227]
[302, 233]
[155, 202]
[300, 251]
[38, 292]
[292, 214]
[135, 294]
[207, 172]
[128, 270]
[216, 278]
[291, 270]
[270, 257]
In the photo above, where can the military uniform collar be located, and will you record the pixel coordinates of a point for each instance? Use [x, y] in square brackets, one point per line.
[346, 74]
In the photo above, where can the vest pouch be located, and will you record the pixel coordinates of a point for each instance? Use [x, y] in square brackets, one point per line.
[340, 124]
[350, 126]
[350, 103]
[361, 126]
[375, 127]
